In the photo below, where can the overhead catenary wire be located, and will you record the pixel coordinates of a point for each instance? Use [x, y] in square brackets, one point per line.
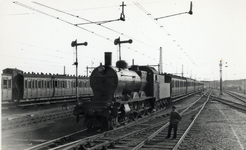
[156, 19]
[47, 49]
[88, 21]
[91, 22]
[23, 5]
[161, 26]
[106, 38]
[26, 6]
[25, 61]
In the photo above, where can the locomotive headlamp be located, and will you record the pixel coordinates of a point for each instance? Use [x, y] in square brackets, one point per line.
[101, 69]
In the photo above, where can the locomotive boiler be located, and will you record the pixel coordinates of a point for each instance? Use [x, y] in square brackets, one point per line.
[118, 95]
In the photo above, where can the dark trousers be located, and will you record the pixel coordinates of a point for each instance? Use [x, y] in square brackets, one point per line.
[175, 128]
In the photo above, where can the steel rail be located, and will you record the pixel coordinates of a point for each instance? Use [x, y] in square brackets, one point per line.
[163, 127]
[239, 97]
[192, 123]
[230, 103]
[52, 141]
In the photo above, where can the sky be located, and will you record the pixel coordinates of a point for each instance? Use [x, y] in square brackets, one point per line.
[35, 38]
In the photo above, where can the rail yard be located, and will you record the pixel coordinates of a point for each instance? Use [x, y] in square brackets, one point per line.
[198, 129]
[58, 93]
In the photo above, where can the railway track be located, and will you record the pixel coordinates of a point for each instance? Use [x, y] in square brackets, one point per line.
[44, 101]
[133, 132]
[12, 123]
[237, 96]
[35, 119]
[157, 139]
[230, 103]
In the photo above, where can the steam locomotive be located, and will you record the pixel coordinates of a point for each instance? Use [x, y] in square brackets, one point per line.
[122, 94]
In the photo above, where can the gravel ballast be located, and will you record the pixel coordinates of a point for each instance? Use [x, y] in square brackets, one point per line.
[218, 127]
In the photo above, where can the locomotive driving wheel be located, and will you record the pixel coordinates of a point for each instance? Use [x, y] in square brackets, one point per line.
[158, 105]
[112, 124]
[134, 116]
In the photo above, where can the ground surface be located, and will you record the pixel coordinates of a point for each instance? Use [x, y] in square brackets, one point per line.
[219, 127]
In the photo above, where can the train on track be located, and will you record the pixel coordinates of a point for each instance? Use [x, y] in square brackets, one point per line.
[23, 88]
[124, 93]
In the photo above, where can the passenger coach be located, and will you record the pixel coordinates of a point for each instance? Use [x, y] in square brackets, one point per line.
[19, 86]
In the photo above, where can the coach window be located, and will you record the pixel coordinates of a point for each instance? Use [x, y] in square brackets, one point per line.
[39, 84]
[8, 84]
[25, 84]
[35, 84]
[31, 84]
[28, 84]
[48, 84]
[65, 84]
[44, 83]
[5, 84]
[55, 84]
[61, 84]
[72, 84]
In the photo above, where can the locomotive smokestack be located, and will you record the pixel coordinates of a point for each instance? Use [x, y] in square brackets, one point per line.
[108, 58]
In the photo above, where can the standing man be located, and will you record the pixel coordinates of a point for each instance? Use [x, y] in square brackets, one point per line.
[174, 120]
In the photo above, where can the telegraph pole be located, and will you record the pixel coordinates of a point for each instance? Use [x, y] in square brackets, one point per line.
[220, 77]
[160, 61]
[182, 71]
[75, 44]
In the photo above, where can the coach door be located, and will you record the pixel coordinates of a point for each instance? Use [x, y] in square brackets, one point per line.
[6, 88]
